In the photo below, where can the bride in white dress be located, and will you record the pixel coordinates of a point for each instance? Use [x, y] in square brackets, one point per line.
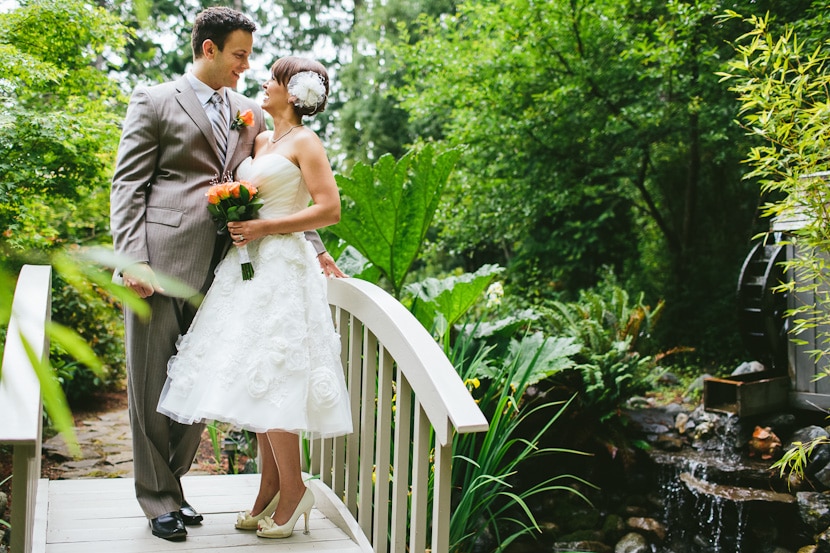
[262, 354]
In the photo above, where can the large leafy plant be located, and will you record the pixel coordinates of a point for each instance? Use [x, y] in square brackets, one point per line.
[438, 304]
[613, 364]
[603, 317]
[389, 206]
[498, 368]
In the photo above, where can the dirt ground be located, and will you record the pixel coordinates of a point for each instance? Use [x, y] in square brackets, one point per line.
[103, 402]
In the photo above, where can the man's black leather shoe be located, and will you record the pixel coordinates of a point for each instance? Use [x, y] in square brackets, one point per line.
[189, 515]
[169, 526]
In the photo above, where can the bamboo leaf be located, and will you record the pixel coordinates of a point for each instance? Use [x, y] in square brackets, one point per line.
[54, 400]
[75, 345]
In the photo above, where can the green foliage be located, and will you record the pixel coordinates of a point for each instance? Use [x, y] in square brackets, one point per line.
[782, 82]
[388, 208]
[237, 443]
[46, 156]
[604, 317]
[612, 377]
[498, 369]
[53, 223]
[440, 304]
[613, 333]
[57, 142]
[536, 357]
[4, 522]
[794, 460]
[88, 273]
[54, 399]
[485, 464]
[58, 133]
[596, 134]
[215, 442]
[57, 42]
[91, 312]
[74, 358]
[371, 122]
[354, 264]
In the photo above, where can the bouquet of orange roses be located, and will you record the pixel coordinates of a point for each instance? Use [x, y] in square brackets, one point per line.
[234, 201]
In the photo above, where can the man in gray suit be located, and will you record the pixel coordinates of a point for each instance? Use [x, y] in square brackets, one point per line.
[177, 137]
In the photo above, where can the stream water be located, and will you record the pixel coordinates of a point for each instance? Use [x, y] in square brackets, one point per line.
[722, 503]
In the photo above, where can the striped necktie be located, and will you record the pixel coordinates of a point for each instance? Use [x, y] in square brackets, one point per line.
[219, 122]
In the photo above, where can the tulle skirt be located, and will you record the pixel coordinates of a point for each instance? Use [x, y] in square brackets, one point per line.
[262, 354]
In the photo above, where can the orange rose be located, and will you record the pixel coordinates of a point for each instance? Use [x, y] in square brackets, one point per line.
[244, 119]
[224, 191]
[251, 188]
[213, 196]
[247, 117]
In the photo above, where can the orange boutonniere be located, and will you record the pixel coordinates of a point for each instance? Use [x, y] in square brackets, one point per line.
[243, 119]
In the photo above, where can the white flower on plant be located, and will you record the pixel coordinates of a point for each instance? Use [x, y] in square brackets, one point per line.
[307, 88]
[494, 294]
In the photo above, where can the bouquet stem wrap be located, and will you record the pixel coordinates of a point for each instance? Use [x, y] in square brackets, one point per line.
[245, 261]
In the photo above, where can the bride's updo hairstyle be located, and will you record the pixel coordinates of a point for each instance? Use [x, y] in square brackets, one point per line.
[306, 80]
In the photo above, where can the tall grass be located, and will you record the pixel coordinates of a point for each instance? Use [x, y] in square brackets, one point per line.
[486, 465]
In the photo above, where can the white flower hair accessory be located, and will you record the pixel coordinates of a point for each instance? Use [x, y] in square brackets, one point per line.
[308, 89]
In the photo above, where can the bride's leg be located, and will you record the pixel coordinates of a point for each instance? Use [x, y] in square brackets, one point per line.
[269, 483]
[286, 448]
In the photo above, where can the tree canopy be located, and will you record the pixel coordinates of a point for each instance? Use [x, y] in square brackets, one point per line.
[60, 120]
[592, 135]
[595, 134]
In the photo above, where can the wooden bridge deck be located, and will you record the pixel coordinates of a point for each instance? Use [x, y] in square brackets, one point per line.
[102, 516]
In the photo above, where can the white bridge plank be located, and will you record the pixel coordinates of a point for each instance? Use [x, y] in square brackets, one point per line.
[102, 515]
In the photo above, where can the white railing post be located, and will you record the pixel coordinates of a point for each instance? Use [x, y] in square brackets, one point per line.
[20, 400]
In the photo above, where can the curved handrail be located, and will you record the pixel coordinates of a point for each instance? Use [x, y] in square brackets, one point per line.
[19, 388]
[432, 376]
[20, 403]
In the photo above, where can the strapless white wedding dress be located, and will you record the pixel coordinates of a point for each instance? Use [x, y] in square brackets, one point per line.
[263, 354]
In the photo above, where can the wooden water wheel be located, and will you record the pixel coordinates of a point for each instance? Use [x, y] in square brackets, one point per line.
[761, 318]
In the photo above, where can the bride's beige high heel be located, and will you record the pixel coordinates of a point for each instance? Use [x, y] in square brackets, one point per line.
[270, 529]
[246, 521]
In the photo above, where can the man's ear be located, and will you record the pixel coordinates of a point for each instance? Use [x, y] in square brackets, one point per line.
[209, 49]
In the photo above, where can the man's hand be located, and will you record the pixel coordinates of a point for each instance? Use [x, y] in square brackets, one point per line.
[329, 267]
[141, 279]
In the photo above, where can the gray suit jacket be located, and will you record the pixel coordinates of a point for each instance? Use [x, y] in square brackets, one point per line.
[166, 160]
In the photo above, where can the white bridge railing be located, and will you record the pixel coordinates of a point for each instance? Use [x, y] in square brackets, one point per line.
[408, 402]
[20, 404]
